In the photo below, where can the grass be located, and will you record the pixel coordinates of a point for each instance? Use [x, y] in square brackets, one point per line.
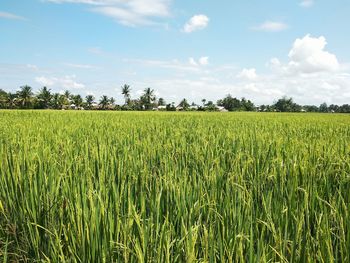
[174, 187]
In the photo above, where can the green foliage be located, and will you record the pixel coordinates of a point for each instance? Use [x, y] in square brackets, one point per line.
[167, 187]
[89, 101]
[234, 104]
[184, 105]
[44, 98]
[104, 102]
[286, 105]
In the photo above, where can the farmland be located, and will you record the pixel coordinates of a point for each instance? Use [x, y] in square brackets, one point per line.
[174, 187]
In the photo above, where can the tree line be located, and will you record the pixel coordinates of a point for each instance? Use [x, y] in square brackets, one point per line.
[25, 98]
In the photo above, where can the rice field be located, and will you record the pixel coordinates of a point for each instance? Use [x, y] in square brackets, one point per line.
[174, 187]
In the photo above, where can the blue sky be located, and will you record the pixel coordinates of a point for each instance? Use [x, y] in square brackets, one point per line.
[196, 49]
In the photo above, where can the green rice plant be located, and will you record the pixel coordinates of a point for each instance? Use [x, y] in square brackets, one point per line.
[174, 187]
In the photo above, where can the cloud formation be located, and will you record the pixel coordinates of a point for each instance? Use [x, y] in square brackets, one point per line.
[127, 12]
[271, 26]
[66, 82]
[6, 15]
[249, 74]
[197, 22]
[308, 56]
[203, 61]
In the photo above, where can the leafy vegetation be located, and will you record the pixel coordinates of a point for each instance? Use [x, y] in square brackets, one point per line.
[44, 99]
[174, 187]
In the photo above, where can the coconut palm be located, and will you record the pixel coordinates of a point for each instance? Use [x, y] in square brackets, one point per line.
[77, 100]
[25, 96]
[104, 101]
[44, 97]
[67, 94]
[126, 93]
[148, 98]
[11, 100]
[89, 101]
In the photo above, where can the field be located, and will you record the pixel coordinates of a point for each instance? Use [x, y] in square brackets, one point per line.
[174, 187]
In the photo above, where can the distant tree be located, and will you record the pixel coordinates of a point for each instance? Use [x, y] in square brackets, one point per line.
[44, 98]
[126, 93]
[57, 101]
[247, 105]
[148, 98]
[11, 100]
[310, 108]
[89, 101]
[230, 103]
[184, 104]
[286, 105]
[112, 101]
[104, 101]
[323, 107]
[203, 102]
[263, 108]
[210, 106]
[161, 102]
[345, 108]
[25, 96]
[3, 99]
[77, 100]
[171, 107]
[334, 108]
[67, 94]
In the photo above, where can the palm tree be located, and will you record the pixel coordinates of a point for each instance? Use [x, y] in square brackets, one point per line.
[77, 100]
[112, 101]
[126, 93]
[104, 101]
[44, 97]
[89, 101]
[25, 96]
[11, 100]
[148, 98]
[67, 94]
[204, 101]
[55, 103]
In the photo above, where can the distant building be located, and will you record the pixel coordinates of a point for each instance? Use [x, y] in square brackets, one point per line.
[161, 108]
[221, 108]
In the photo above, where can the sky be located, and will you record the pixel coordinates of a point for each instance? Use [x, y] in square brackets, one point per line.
[194, 49]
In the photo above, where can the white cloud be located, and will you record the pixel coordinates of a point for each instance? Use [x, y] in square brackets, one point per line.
[204, 61]
[11, 16]
[32, 67]
[308, 55]
[128, 12]
[172, 64]
[197, 22]
[307, 3]
[248, 74]
[45, 81]
[66, 82]
[271, 26]
[192, 62]
[80, 66]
